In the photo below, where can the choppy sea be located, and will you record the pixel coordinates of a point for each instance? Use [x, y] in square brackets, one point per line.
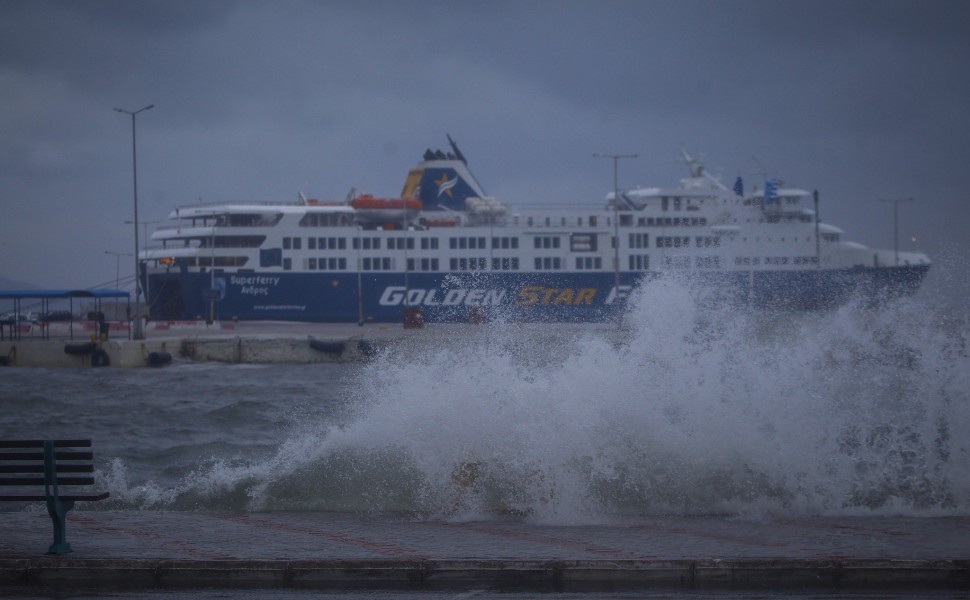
[685, 409]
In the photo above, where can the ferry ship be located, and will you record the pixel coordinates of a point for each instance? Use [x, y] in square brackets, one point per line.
[446, 251]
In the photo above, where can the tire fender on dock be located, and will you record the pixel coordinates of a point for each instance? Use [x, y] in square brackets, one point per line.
[158, 359]
[99, 358]
[328, 346]
[80, 348]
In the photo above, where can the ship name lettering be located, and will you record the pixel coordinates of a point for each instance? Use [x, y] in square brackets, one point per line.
[535, 294]
[253, 280]
[395, 296]
[252, 290]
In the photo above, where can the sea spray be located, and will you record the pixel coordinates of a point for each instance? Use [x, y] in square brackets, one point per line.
[684, 408]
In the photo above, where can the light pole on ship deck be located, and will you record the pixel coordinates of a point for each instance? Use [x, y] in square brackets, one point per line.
[616, 219]
[117, 256]
[896, 202]
[137, 334]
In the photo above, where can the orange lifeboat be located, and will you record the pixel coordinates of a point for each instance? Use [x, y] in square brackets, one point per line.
[368, 202]
[386, 209]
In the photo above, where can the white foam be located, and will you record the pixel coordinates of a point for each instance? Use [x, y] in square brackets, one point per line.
[689, 410]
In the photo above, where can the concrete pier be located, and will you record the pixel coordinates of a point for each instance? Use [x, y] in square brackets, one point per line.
[253, 342]
[243, 342]
[146, 549]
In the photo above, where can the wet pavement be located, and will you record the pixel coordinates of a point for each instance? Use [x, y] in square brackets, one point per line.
[145, 549]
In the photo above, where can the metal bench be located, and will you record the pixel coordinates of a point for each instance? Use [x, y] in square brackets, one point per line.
[30, 464]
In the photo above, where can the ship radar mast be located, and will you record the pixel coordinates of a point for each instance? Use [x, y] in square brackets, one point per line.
[697, 170]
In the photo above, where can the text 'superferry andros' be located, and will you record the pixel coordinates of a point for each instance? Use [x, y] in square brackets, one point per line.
[453, 252]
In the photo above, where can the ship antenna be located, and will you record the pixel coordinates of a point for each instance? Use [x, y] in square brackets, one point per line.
[454, 147]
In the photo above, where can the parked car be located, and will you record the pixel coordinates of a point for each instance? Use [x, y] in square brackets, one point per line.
[12, 318]
[55, 316]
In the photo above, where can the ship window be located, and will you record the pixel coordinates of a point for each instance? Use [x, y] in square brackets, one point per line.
[271, 257]
[639, 262]
[505, 263]
[287, 264]
[677, 262]
[312, 263]
[546, 242]
[582, 242]
[505, 243]
[639, 240]
[548, 263]
[588, 263]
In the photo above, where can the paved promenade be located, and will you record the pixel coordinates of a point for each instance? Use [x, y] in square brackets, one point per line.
[144, 549]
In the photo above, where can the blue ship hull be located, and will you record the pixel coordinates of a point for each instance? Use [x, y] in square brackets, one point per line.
[527, 297]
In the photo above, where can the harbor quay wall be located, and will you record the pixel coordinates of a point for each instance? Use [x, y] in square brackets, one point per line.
[258, 342]
[162, 346]
[142, 353]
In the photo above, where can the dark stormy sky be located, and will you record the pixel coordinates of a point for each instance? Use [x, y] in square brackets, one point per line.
[260, 100]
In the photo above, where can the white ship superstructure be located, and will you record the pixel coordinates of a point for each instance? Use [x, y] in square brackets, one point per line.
[450, 250]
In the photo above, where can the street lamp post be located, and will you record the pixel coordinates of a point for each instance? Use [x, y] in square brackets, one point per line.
[138, 333]
[896, 202]
[616, 218]
[148, 288]
[117, 256]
